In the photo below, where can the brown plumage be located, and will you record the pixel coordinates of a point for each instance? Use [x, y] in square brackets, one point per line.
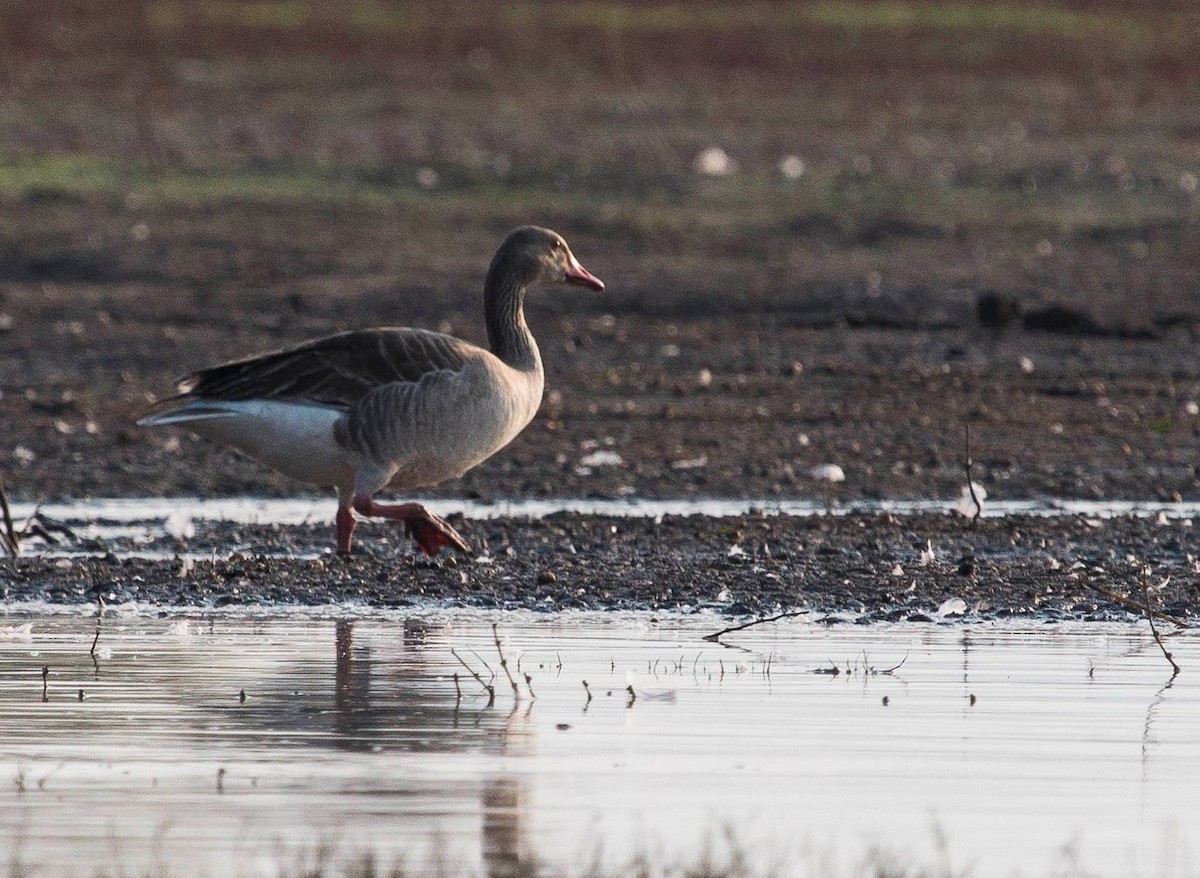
[338, 370]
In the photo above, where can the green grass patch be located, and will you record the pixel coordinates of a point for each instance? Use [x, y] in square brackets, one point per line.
[996, 18]
[61, 175]
[373, 17]
[272, 15]
[849, 210]
[73, 177]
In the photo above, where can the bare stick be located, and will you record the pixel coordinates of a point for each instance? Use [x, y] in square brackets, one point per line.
[457, 687]
[99, 618]
[588, 690]
[1141, 608]
[716, 636]
[504, 661]
[487, 687]
[892, 669]
[483, 661]
[9, 536]
[529, 686]
[968, 463]
[49, 529]
[1154, 631]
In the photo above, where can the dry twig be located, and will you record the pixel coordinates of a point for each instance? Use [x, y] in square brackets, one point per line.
[99, 619]
[715, 637]
[487, 687]
[1141, 607]
[1157, 637]
[9, 536]
[968, 463]
[504, 661]
[36, 525]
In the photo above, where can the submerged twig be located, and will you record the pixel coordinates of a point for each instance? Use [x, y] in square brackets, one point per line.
[715, 637]
[1157, 637]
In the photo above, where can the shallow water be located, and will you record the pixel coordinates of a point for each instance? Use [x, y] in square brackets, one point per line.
[149, 518]
[1079, 748]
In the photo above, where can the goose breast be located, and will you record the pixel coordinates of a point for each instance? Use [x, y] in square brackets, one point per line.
[417, 434]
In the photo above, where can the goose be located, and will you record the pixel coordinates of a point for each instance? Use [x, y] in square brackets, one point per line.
[362, 410]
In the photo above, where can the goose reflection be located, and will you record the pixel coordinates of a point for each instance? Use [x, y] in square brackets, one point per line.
[396, 700]
[508, 846]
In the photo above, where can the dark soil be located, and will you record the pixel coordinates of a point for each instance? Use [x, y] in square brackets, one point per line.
[997, 225]
[860, 567]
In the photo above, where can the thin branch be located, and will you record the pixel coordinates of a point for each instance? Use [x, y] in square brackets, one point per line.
[487, 687]
[49, 529]
[99, 618]
[968, 463]
[892, 669]
[715, 637]
[504, 661]
[483, 661]
[1141, 607]
[1154, 631]
[9, 536]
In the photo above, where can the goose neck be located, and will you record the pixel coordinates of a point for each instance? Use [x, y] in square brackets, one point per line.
[504, 310]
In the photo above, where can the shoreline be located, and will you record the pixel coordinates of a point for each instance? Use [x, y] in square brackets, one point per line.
[867, 566]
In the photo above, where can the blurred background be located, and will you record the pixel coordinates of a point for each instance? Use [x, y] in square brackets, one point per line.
[833, 231]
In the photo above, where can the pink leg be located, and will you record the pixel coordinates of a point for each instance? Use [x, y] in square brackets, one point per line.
[430, 531]
[344, 527]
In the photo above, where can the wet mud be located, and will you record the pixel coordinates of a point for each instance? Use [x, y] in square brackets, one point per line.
[858, 567]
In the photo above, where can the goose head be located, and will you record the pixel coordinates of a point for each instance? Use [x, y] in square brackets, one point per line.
[537, 257]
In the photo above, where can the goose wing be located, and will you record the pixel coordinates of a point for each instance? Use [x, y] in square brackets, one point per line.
[336, 371]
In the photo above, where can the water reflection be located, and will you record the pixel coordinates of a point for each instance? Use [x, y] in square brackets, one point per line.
[508, 846]
[352, 730]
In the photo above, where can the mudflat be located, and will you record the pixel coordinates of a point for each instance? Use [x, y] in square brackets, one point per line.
[854, 567]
